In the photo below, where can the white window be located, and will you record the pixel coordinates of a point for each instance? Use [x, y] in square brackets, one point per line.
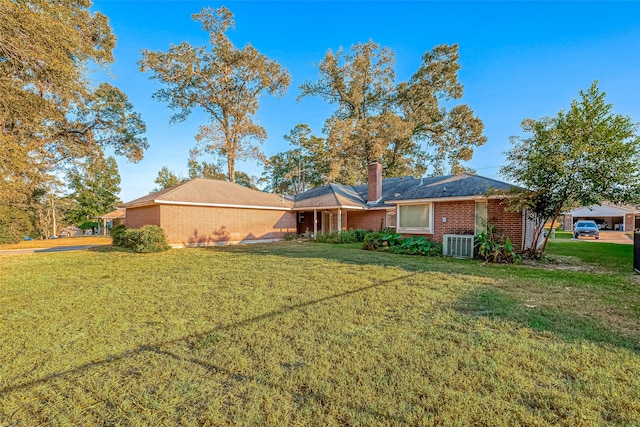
[391, 219]
[415, 218]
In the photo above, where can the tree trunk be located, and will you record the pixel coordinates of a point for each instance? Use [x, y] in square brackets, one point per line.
[232, 167]
[553, 221]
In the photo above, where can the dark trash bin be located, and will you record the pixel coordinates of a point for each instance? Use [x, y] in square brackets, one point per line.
[636, 252]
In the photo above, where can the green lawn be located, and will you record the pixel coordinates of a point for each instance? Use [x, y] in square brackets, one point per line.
[315, 334]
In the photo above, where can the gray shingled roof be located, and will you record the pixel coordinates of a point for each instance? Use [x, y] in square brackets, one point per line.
[401, 188]
[463, 185]
[207, 191]
[328, 196]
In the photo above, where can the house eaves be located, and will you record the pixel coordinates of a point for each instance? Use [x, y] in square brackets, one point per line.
[222, 205]
[441, 199]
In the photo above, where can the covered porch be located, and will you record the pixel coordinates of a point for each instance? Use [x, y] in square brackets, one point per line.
[323, 220]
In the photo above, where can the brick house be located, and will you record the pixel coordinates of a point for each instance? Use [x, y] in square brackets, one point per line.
[205, 211]
[201, 211]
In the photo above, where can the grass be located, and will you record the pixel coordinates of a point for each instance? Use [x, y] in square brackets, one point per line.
[317, 334]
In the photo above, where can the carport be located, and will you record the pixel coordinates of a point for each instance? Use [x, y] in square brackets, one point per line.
[608, 216]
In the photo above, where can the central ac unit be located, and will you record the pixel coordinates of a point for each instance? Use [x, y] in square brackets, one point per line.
[458, 245]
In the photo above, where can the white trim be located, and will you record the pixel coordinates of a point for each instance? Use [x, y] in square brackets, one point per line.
[415, 230]
[475, 216]
[386, 218]
[324, 208]
[221, 205]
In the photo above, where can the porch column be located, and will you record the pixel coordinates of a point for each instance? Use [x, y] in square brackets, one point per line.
[315, 224]
[339, 220]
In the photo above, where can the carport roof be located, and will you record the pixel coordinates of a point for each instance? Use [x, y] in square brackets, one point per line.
[603, 210]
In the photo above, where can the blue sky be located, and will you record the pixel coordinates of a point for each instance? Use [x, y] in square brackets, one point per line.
[519, 60]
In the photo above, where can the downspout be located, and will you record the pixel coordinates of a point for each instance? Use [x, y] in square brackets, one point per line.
[523, 245]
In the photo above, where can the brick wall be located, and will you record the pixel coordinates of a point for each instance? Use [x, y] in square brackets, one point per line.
[205, 225]
[460, 217]
[146, 215]
[506, 223]
[366, 220]
[629, 222]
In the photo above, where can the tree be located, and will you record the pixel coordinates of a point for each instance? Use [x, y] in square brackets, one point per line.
[583, 156]
[205, 170]
[50, 114]
[244, 179]
[225, 82]
[301, 168]
[95, 186]
[165, 179]
[377, 119]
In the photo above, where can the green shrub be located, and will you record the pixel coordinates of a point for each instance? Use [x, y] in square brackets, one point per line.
[416, 245]
[494, 248]
[394, 242]
[149, 238]
[118, 235]
[373, 240]
[347, 236]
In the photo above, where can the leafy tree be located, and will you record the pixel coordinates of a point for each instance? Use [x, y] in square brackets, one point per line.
[449, 135]
[205, 170]
[378, 119]
[581, 157]
[50, 114]
[301, 168]
[225, 82]
[95, 187]
[166, 178]
[244, 179]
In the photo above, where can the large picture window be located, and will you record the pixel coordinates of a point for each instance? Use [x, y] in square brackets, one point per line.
[415, 218]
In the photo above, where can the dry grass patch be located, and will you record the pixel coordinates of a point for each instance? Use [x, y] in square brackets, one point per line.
[291, 334]
[56, 243]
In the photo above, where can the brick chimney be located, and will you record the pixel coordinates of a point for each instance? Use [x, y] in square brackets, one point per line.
[374, 182]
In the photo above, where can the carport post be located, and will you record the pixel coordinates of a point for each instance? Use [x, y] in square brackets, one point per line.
[315, 224]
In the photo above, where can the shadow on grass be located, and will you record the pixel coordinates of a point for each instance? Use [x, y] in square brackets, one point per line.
[494, 303]
[158, 348]
[352, 253]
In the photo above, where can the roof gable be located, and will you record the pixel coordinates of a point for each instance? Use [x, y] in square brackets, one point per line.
[212, 192]
[330, 196]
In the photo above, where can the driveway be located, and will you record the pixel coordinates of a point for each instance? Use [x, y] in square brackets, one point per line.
[45, 250]
[611, 237]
